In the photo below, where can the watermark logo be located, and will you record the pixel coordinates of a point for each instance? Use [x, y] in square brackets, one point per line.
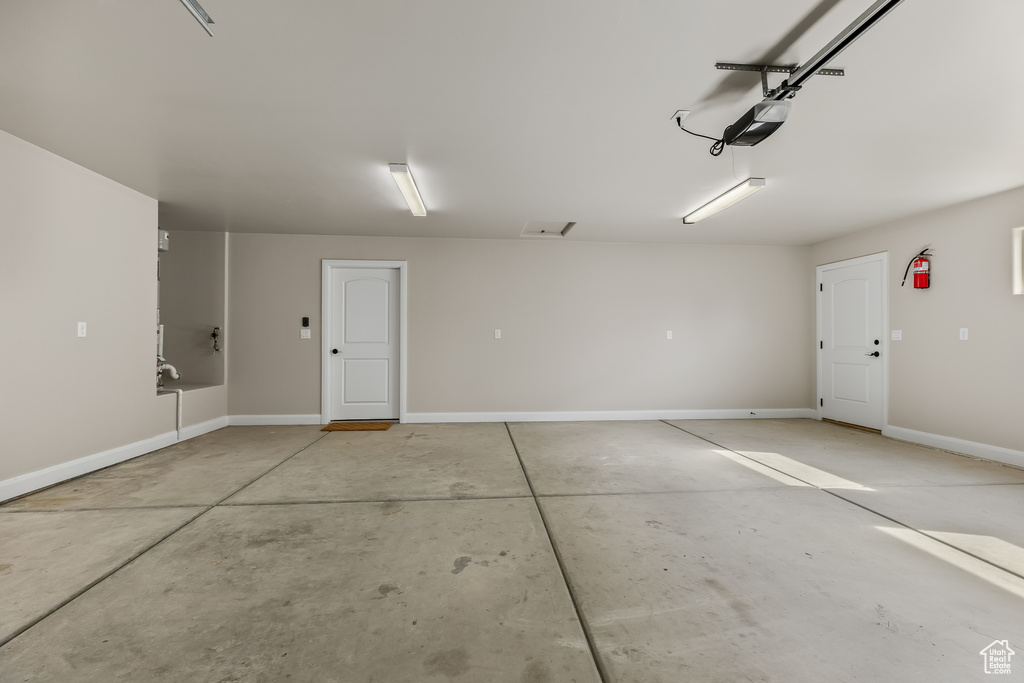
[997, 657]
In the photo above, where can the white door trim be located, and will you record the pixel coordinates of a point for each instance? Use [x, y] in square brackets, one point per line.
[882, 257]
[326, 312]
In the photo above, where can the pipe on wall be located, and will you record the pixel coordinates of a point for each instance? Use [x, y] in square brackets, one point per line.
[170, 369]
[181, 396]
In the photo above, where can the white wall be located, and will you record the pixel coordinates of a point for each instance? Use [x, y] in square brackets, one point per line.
[968, 390]
[583, 324]
[74, 246]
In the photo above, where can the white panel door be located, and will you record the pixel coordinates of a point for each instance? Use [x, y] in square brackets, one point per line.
[851, 344]
[364, 348]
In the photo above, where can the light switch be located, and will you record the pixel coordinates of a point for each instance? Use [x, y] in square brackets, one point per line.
[963, 334]
[81, 330]
[897, 335]
[305, 334]
[497, 334]
[668, 335]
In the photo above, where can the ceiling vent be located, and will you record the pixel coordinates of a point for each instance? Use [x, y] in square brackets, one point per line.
[547, 228]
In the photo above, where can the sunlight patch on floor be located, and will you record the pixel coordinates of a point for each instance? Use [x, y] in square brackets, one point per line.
[804, 472]
[983, 570]
[761, 469]
[993, 549]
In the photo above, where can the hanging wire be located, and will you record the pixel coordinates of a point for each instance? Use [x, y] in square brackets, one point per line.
[716, 149]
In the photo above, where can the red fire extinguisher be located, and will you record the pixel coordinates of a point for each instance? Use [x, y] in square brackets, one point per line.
[922, 271]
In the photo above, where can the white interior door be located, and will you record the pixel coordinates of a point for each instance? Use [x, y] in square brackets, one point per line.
[852, 346]
[363, 344]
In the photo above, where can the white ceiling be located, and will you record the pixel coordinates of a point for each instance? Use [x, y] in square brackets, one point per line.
[507, 112]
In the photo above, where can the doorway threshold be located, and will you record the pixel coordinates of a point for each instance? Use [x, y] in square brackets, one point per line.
[852, 426]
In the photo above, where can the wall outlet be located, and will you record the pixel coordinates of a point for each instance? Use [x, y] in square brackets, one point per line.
[668, 335]
[497, 334]
[305, 334]
[897, 335]
[82, 331]
[963, 334]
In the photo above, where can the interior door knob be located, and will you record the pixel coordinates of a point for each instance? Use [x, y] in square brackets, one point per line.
[334, 351]
[876, 354]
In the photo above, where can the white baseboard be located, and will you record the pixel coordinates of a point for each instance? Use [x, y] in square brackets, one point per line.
[256, 420]
[41, 479]
[595, 415]
[949, 443]
[192, 431]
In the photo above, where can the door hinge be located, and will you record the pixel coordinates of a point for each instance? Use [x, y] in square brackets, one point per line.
[821, 287]
[822, 402]
[821, 345]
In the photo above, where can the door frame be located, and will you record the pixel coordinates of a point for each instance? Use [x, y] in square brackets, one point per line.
[882, 257]
[326, 320]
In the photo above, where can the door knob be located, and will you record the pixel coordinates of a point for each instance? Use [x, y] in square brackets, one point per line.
[876, 354]
[334, 351]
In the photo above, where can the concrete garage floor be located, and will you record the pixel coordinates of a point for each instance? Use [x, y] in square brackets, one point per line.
[752, 550]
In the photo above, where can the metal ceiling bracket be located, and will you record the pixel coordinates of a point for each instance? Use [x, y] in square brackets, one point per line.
[774, 69]
[766, 69]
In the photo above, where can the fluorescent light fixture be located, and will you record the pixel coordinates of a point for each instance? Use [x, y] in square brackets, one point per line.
[199, 13]
[724, 201]
[403, 177]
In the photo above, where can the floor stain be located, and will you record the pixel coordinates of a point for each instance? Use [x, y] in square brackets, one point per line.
[450, 663]
[885, 619]
[461, 489]
[390, 507]
[536, 672]
[631, 654]
[386, 588]
[742, 609]
[461, 564]
[271, 536]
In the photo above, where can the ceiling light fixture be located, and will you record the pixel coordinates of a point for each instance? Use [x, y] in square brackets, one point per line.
[724, 201]
[403, 178]
[199, 13]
